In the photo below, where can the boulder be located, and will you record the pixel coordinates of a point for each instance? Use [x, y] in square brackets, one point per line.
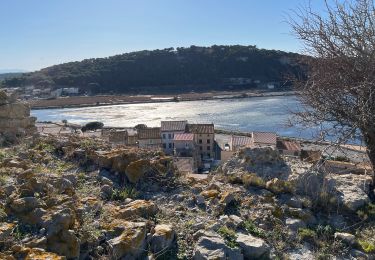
[5, 230]
[226, 198]
[163, 238]
[138, 208]
[252, 247]
[352, 189]
[294, 224]
[24, 205]
[35, 254]
[131, 243]
[65, 243]
[60, 221]
[345, 237]
[106, 192]
[210, 194]
[136, 170]
[212, 246]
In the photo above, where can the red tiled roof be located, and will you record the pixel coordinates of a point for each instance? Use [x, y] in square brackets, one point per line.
[149, 133]
[173, 125]
[183, 137]
[264, 138]
[240, 141]
[288, 145]
[201, 128]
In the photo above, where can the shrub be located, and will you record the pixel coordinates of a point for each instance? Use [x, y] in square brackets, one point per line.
[306, 234]
[122, 194]
[253, 180]
[229, 236]
[367, 246]
[252, 229]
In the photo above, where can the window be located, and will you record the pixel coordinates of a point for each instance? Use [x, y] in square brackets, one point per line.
[208, 148]
[186, 145]
[150, 141]
[170, 145]
[208, 141]
[200, 141]
[164, 146]
[170, 136]
[164, 136]
[200, 148]
[208, 154]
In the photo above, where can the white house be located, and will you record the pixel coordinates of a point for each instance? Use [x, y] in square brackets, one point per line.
[168, 131]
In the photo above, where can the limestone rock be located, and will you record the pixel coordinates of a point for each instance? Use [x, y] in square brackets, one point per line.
[210, 194]
[294, 224]
[65, 243]
[24, 205]
[212, 246]
[131, 243]
[35, 254]
[345, 237]
[138, 208]
[5, 230]
[136, 170]
[163, 238]
[106, 192]
[252, 247]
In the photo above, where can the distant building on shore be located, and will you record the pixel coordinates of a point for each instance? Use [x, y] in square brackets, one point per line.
[149, 138]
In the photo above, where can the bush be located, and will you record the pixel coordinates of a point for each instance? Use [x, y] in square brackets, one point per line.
[253, 180]
[252, 229]
[229, 236]
[92, 126]
[306, 234]
[122, 194]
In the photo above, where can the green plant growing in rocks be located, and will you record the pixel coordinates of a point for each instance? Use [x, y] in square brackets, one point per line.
[229, 236]
[367, 212]
[3, 214]
[253, 229]
[253, 180]
[367, 246]
[366, 238]
[124, 193]
[89, 231]
[306, 234]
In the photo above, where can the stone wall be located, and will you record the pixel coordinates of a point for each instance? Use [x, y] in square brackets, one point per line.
[15, 120]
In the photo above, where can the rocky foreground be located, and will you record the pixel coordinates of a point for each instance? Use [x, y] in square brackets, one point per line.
[77, 198]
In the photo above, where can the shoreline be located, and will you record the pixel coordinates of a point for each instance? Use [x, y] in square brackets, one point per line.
[96, 101]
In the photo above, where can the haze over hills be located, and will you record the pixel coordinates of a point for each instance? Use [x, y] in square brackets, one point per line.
[169, 70]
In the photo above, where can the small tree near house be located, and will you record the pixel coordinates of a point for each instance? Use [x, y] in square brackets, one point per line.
[340, 84]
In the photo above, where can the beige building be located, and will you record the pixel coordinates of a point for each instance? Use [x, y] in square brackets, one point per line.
[149, 138]
[263, 139]
[204, 138]
[184, 145]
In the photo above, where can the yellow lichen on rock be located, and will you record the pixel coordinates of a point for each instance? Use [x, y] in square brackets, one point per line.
[136, 170]
[138, 208]
[210, 194]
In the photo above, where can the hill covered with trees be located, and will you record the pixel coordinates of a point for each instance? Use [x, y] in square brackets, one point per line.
[168, 70]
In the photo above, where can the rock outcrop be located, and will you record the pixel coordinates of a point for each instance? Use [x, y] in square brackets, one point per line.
[15, 120]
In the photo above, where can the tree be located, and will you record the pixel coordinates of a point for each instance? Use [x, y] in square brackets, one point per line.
[92, 126]
[340, 84]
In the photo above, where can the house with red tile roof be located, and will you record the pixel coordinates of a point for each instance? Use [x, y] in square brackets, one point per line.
[149, 138]
[204, 138]
[263, 139]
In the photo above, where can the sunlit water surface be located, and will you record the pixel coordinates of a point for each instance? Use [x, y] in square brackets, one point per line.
[248, 114]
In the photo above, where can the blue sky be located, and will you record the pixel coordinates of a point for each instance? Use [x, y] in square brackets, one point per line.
[39, 33]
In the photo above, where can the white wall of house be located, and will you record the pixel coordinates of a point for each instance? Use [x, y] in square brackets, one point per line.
[167, 140]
